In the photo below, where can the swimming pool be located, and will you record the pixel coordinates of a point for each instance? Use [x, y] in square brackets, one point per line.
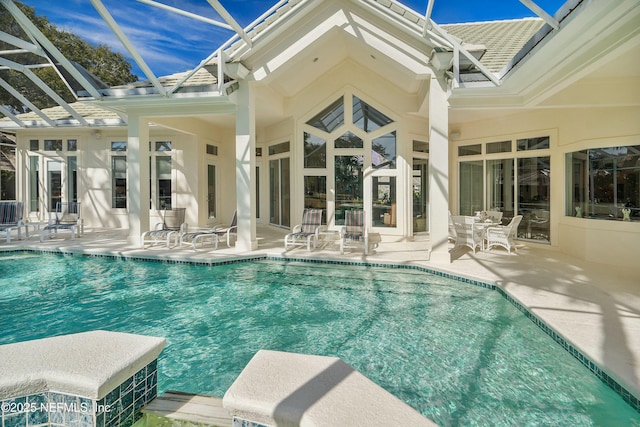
[458, 353]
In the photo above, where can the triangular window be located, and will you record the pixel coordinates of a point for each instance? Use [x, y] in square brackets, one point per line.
[330, 118]
[366, 117]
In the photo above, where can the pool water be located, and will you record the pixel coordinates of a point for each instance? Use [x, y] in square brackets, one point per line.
[460, 354]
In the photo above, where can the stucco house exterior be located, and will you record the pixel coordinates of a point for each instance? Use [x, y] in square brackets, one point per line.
[346, 104]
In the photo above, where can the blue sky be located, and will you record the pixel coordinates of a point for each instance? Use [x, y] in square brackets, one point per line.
[172, 43]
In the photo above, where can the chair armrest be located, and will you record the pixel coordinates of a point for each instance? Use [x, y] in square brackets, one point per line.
[343, 231]
[297, 228]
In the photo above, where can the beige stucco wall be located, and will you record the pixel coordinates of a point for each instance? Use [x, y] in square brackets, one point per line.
[571, 129]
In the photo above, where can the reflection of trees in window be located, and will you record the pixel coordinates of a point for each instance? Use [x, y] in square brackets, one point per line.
[366, 117]
[8, 172]
[383, 151]
[349, 140]
[315, 151]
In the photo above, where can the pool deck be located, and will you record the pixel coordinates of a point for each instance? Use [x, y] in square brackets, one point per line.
[595, 307]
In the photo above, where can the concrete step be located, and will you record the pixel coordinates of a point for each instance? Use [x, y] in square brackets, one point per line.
[192, 409]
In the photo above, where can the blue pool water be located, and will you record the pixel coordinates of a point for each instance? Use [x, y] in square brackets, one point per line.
[460, 354]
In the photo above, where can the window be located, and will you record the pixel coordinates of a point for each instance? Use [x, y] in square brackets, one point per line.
[368, 118]
[383, 152]
[345, 139]
[420, 147]
[420, 190]
[119, 146]
[348, 185]
[471, 187]
[283, 147]
[315, 151]
[279, 192]
[349, 140]
[533, 143]
[315, 194]
[34, 145]
[330, 118]
[604, 183]
[163, 146]
[54, 183]
[34, 184]
[119, 181]
[72, 179]
[163, 182]
[212, 150]
[499, 147]
[8, 171]
[52, 145]
[384, 213]
[470, 150]
[72, 145]
[533, 197]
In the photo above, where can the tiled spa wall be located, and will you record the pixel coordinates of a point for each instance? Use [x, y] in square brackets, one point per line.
[120, 407]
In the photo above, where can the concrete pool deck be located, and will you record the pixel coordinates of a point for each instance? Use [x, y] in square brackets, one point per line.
[594, 307]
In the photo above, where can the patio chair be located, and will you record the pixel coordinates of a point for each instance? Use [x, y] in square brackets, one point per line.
[168, 230]
[306, 233]
[467, 233]
[503, 235]
[65, 217]
[228, 232]
[195, 236]
[11, 214]
[354, 234]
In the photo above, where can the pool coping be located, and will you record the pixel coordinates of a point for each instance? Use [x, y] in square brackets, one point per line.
[598, 371]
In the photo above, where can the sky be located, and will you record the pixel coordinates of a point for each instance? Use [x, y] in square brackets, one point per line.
[171, 43]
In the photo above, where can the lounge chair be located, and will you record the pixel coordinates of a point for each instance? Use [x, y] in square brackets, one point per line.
[11, 214]
[467, 233]
[168, 230]
[354, 234]
[65, 217]
[306, 233]
[228, 232]
[195, 236]
[503, 235]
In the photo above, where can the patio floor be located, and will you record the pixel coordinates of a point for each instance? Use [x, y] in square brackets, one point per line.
[594, 307]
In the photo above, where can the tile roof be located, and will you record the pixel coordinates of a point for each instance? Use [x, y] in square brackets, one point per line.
[503, 39]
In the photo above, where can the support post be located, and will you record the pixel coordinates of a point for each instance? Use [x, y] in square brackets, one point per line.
[438, 171]
[245, 168]
[137, 177]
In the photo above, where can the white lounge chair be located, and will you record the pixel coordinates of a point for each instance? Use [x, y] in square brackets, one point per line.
[504, 235]
[168, 230]
[467, 233]
[306, 233]
[65, 217]
[228, 232]
[354, 234]
[11, 214]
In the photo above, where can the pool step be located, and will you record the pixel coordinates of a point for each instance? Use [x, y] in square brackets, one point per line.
[184, 408]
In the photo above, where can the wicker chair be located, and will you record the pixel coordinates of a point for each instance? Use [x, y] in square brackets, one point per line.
[504, 235]
[467, 234]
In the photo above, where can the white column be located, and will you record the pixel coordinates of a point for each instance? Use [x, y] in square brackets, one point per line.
[137, 177]
[438, 172]
[246, 168]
